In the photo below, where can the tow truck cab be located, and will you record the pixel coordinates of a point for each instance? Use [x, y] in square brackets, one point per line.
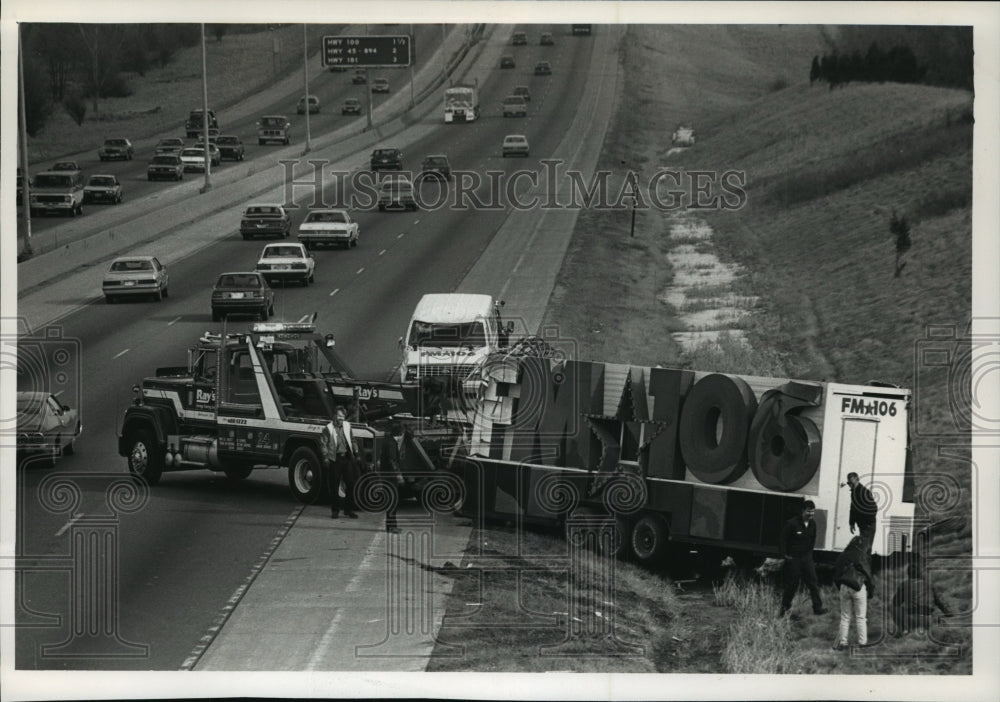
[248, 401]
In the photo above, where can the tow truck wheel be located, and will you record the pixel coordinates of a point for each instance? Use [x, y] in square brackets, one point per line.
[237, 473]
[305, 475]
[144, 458]
[649, 538]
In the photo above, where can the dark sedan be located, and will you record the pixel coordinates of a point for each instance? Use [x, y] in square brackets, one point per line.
[242, 293]
[231, 147]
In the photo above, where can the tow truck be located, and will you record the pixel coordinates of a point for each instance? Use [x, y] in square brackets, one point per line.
[249, 401]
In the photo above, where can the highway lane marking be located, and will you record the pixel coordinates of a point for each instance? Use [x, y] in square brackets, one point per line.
[173, 321]
[400, 235]
[360, 270]
[382, 252]
[234, 600]
[121, 354]
[304, 318]
[335, 291]
[375, 550]
[70, 523]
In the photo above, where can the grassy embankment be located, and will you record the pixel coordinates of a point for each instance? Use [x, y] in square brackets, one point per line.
[825, 169]
[239, 65]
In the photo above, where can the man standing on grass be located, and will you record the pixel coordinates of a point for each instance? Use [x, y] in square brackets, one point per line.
[852, 574]
[863, 510]
[798, 539]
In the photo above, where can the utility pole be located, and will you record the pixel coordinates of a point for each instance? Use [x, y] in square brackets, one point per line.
[368, 88]
[305, 73]
[204, 114]
[412, 102]
[27, 251]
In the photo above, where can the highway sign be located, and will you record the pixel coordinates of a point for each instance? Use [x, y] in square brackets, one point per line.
[384, 51]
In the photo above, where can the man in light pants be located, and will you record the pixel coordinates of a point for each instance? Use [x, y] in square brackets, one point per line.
[853, 576]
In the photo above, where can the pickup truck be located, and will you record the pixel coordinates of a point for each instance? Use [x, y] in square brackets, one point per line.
[263, 219]
[274, 128]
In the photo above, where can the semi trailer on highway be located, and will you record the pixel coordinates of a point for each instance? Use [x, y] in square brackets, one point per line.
[461, 103]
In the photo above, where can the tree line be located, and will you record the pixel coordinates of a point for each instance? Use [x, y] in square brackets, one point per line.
[930, 55]
[65, 64]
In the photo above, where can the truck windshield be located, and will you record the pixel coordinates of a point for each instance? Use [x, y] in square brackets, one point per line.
[447, 335]
[43, 180]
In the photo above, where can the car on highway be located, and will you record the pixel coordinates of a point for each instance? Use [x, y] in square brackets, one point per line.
[286, 262]
[58, 192]
[215, 154]
[313, 105]
[522, 91]
[103, 188]
[116, 149]
[231, 147]
[273, 128]
[543, 68]
[386, 160]
[359, 77]
[328, 226]
[395, 192]
[519, 39]
[170, 145]
[436, 165]
[265, 219]
[131, 276]
[352, 106]
[507, 62]
[65, 166]
[242, 293]
[193, 158]
[380, 85]
[514, 106]
[515, 145]
[195, 124]
[165, 167]
[546, 39]
[45, 426]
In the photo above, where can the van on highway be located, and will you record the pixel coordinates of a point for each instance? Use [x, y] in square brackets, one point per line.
[451, 335]
[58, 192]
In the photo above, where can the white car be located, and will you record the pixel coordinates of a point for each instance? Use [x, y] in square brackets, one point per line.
[135, 275]
[193, 158]
[286, 262]
[515, 144]
[328, 227]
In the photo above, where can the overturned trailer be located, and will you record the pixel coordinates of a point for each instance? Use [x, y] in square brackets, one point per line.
[710, 459]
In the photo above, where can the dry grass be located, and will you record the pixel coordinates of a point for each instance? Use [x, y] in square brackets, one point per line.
[238, 65]
[512, 609]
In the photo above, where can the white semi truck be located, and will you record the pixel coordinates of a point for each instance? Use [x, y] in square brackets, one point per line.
[461, 103]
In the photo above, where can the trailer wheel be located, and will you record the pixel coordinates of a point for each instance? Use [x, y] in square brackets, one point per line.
[305, 475]
[595, 533]
[238, 473]
[649, 538]
[144, 458]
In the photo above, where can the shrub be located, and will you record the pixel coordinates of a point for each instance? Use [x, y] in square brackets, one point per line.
[75, 107]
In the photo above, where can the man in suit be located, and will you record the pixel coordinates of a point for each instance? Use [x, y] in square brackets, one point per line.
[391, 468]
[340, 459]
[798, 539]
[863, 510]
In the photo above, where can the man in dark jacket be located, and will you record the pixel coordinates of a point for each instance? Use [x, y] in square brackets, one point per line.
[798, 539]
[853, 577]
[391, 469]
[863, 510]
